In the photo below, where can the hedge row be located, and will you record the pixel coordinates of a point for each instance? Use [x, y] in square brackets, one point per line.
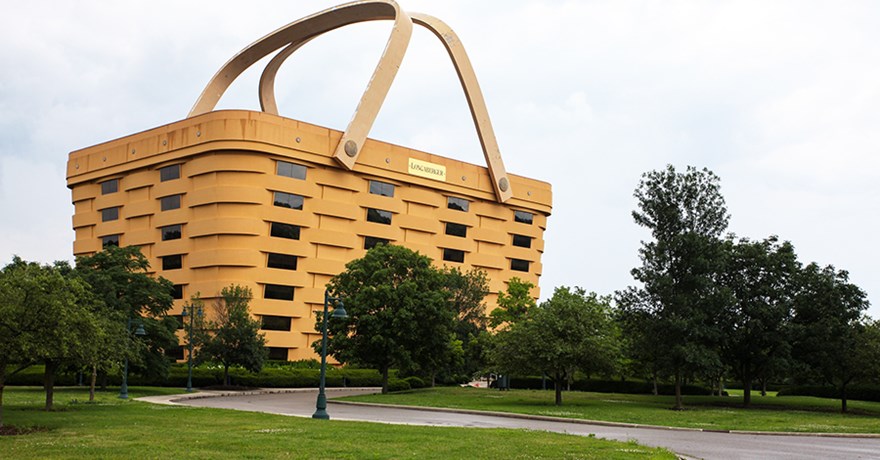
[610, 386]
[280, 377]
[859, 393]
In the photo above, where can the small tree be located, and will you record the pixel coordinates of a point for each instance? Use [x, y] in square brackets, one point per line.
[758, 275]
[514, 304]
[399, 314]
[570, 331]
[236, 339]
[119, 277]
[467, 291]
[829, 328]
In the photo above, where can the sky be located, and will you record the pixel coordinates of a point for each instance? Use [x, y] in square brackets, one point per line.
[780, 99]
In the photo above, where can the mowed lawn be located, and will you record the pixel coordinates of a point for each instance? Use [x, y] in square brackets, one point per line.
[112, 428]
[769, 413]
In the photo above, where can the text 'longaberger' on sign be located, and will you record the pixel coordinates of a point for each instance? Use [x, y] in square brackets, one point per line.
[425, 169]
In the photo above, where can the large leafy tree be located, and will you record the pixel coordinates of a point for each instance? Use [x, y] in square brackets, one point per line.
[236, 338]
[759, 276]
[399, 313]
[119, 277]
[829, 328]
[45, 317]
[680, 294]
[570, 331]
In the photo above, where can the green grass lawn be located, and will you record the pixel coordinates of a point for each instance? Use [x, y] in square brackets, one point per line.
[769, 413]
[112, 428]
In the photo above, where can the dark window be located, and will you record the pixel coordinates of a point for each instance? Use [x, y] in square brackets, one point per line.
[177, 291]
[381, 188]
[179, 319]
[288, 200]
[284, 231]
[172, 262]
[282, 261]
[171, 232]
[459, 204]
[522, 241]
[519, 265]
[175, 353]
[277, 291]
[275, 323]
[170, 202]
[291, 170]
[109, 214]
[110, 240]
[277, 353]
[371, 242]
[453, 255]
[523, 217]
[456, 229]
[110, 186]
[169, 173]
[378, 216]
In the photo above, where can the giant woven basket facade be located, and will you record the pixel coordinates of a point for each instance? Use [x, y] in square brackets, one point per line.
[257, 199]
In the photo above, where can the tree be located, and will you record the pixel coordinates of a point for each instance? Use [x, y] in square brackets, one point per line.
[513, 305]
[759, 277]
[467, 291]
[236, 339]
[119, 278]
[399, 314]
[830, 334]
[572, 330]
[681, 296]
[44, 317]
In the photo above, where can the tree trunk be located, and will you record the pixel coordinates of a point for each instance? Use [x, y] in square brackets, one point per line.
[763, 387]
[655, 390]
[49, 383]
[843, 398]
[2, 385]
[678, 405]
[92, 383]
[384, 380]
[557, 384]
[226, 375]
[747, 389]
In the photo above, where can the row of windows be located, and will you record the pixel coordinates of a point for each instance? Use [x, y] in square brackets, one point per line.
[165, 174]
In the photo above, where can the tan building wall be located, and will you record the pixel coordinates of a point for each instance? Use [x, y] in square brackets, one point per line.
[228, 179]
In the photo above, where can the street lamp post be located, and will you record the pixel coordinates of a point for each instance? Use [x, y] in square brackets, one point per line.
[338, 312]
[123, 390]
[192, 312]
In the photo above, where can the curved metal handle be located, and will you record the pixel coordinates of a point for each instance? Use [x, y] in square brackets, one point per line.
[298, 33]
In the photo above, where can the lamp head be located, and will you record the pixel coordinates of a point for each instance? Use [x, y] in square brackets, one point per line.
[140, 330]
[339, 311]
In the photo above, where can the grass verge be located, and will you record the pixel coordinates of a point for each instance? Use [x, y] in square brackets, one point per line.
[112, 428]
[769, 413]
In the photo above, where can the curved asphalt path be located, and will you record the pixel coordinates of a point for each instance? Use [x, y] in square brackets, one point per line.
[687, 443]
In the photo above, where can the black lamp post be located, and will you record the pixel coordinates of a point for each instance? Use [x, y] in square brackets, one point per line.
[192, 312]
[123, 390]
[338, 312]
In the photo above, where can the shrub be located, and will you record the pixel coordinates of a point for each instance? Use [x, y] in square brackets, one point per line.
[398, 385]
[609, 386]
[415, 382]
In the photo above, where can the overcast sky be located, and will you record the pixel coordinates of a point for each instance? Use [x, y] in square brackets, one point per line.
[779, 98]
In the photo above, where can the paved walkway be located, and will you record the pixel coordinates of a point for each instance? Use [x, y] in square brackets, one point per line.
[685, 442]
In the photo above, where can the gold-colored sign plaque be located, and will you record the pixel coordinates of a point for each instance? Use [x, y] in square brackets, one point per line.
[428, 170]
